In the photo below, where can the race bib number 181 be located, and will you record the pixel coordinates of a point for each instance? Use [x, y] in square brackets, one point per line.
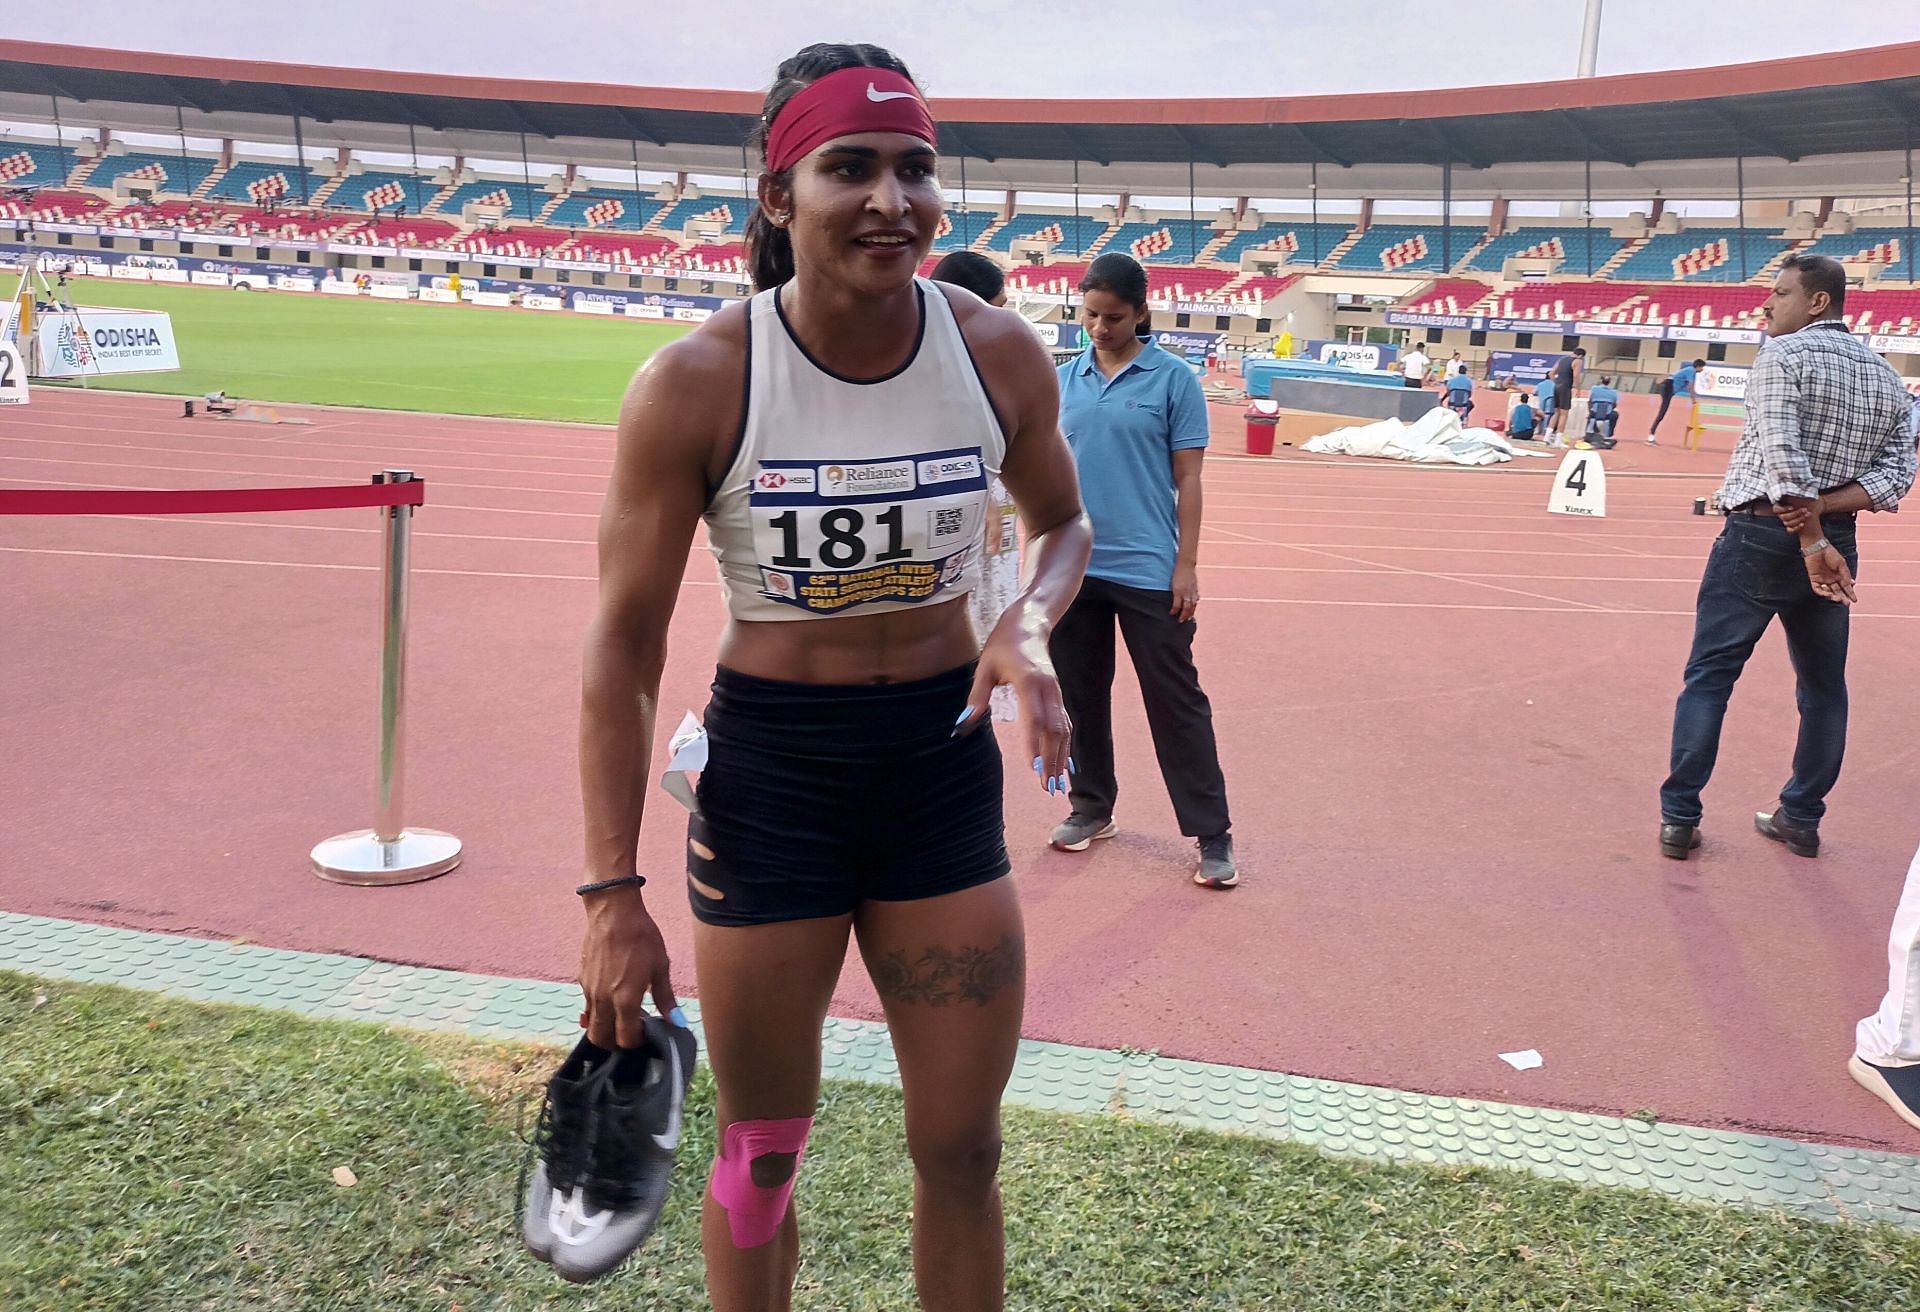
[830, 535]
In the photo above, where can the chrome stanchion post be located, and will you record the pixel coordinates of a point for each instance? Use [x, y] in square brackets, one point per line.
[390, 853]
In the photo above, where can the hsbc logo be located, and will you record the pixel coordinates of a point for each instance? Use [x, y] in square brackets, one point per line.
[788, 480]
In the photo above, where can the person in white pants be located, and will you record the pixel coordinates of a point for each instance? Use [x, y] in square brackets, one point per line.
[1886, 1053]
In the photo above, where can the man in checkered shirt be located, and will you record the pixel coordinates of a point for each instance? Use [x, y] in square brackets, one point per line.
[1828, 434]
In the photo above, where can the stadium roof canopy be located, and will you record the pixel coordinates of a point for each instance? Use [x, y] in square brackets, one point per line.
[1813, 125]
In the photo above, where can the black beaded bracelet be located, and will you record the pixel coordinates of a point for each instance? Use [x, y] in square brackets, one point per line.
[600, 886]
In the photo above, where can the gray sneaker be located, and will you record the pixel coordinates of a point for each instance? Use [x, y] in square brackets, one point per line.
[1216, 863]
[605, 1147]
[1077, 832]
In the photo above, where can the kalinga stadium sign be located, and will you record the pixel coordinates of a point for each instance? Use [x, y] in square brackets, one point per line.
[81, 344]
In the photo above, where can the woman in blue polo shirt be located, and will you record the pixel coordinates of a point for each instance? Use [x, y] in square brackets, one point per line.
[1137, 422]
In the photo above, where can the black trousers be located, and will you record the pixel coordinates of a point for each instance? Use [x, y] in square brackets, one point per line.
[1178, 712]
[1666, 404]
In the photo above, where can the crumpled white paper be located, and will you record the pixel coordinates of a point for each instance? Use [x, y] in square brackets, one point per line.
[1526, 1060]
[686, 756]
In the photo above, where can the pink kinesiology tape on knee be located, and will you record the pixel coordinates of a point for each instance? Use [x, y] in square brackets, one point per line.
[754, 1212]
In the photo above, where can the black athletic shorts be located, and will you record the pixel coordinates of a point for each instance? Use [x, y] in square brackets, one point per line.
[1562, 396]
[816, 798]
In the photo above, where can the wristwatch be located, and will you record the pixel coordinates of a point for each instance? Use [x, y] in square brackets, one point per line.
[1814, 548]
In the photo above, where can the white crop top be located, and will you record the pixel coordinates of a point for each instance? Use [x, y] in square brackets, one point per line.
[849, 497]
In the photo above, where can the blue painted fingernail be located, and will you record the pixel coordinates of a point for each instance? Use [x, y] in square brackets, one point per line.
[1050, 788]
[1064, 785]
[1071, 767]
[964, 717]
[678, 1017]
[1036, 768]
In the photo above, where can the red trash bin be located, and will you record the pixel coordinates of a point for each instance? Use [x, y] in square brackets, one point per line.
[1263, 417]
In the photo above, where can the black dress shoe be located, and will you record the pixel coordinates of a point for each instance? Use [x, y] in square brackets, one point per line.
[1800, 842]
[1678, 840]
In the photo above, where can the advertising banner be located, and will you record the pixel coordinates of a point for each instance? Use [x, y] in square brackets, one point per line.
[82, 344]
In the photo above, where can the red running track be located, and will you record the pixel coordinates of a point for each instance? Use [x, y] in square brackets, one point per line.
[1443, 716]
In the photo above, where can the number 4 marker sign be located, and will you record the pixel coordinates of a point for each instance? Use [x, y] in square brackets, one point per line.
[1579, 486]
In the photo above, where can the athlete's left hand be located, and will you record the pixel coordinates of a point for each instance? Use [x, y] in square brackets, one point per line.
[1186, 592]
[1016, 656]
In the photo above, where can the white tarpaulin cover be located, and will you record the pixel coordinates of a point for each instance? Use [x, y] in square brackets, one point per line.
[1435, 438]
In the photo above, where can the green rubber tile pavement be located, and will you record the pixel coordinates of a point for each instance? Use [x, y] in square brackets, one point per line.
[1818, 1180]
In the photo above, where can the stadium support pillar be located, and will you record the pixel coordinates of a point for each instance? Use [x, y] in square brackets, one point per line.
[1740, 202]
[1313, 198]
[226, 152]
[1655, 210]
[1586, 214]
[60, 140]
[1908, 180]
[105, 140]
[1497, 219]
[341, 159]
[1239, 208]
[1366, 214]
[573, 171]
[526, 181]
[180, 125]
[300, 158]
[1824, 213]
[1193, 219]
[1007, 204]
[1446, 216]
[1076, 206]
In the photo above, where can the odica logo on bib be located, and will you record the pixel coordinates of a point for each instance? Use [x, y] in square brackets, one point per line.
[949, 469]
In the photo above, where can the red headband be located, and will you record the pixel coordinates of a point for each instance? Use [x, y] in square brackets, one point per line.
[841, 104]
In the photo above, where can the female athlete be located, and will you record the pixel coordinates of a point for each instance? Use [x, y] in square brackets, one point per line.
[836, 433]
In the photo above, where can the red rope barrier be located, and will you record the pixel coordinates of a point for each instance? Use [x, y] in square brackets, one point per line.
[196, 501]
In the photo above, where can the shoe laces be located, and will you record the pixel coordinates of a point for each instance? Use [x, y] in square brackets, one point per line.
[592, 1145]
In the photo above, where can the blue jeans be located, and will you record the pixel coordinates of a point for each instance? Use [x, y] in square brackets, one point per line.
[1754, 573]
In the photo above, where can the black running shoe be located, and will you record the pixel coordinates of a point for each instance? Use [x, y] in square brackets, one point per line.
[605, 1143]
[1897, 1086]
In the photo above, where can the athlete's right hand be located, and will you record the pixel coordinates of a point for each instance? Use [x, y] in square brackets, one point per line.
[622, 956]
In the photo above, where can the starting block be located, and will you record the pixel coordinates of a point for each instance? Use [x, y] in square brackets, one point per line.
[222, 406]
[1579, 486]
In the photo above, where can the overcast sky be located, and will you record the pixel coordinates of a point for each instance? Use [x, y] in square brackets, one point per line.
[992, 47]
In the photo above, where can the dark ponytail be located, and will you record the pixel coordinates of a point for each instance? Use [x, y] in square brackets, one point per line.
[1120, 274]
[769, 248]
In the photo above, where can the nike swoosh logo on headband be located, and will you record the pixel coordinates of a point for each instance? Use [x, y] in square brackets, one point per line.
[877, 96]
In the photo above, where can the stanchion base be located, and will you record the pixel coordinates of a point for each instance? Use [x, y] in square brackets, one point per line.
[360, 858]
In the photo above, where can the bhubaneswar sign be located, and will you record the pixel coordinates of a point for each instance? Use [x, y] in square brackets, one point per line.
[76, 344]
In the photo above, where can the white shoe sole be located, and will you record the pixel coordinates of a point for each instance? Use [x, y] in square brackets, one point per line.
[1874, 1083]
[1088, 841]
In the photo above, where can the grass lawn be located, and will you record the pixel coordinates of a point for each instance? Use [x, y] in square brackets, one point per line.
[395, 355]
[159, 1155]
